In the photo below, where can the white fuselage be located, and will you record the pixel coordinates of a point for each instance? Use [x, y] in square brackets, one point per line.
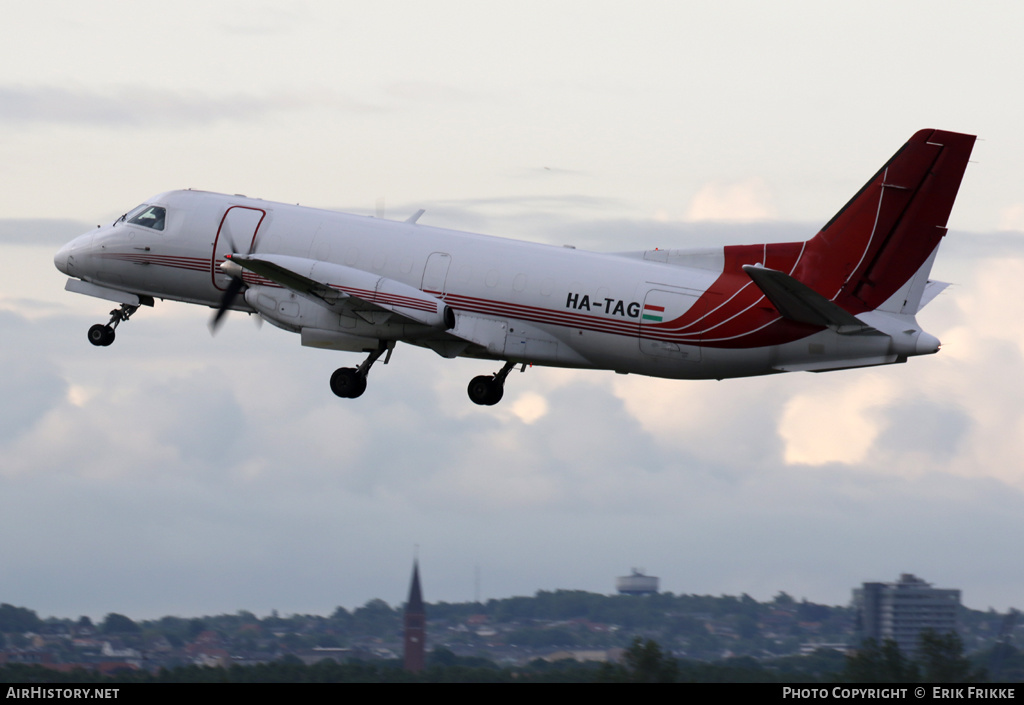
[513, 300]
[846, 297]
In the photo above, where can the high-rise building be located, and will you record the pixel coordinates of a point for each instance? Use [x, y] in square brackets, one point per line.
[415, 625]
[901, 611]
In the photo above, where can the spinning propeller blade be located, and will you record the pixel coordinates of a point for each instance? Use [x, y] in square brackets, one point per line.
[230, 294]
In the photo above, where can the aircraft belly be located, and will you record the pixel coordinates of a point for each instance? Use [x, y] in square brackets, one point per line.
[540, 345]
[828, 350]
[484, 332]
[825, 350]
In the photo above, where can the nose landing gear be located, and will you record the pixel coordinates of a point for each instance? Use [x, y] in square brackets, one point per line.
[488, 390]
[103, 335]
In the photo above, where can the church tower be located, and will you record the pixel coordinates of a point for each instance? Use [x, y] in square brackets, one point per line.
[415, 625]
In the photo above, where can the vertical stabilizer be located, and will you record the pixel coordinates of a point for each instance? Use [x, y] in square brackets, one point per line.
[883, 241]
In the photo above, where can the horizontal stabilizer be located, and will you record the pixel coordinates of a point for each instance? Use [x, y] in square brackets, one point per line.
[931, 290]
[798, 302]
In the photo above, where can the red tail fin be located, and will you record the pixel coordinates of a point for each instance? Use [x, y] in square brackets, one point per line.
[878, 240]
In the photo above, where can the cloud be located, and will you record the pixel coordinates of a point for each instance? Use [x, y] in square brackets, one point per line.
[144, 106]
[546, 172]
[834, 425]
[30, 385]
[267, 21]
[534, 206]
[745, 200]
[530, 407]
[173, 464]
[934, 430]
[40, 231]
[1012, 217]
[549, 219]
[428, 92]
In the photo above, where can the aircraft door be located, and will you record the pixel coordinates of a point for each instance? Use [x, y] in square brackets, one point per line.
[238, 229]
[662, 330]
[435, 273]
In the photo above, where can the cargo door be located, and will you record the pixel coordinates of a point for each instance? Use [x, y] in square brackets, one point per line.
[238, 229]
[662, 330]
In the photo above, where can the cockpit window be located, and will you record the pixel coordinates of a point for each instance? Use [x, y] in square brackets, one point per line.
[148, 216]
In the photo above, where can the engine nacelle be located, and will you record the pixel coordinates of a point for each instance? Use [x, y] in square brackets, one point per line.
[323, 328]
[329, 285]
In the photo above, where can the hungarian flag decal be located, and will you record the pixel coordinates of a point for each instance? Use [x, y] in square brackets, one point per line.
[653, 313]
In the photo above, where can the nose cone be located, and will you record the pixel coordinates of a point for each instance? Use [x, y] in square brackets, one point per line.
[62, 260]
[70, 258]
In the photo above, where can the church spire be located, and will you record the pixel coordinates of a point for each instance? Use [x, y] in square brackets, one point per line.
[415, 624]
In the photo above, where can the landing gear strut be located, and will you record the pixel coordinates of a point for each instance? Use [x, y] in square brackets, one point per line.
[488, 390]
[103, 335]
[350, 382]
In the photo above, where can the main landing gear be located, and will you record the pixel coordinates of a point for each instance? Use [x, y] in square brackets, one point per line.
[488, 390]
[350, 382]
[103, 335]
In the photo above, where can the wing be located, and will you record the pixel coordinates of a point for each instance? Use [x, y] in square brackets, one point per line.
[347, 290]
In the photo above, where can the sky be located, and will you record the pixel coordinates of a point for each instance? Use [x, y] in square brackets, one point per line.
[179, 473]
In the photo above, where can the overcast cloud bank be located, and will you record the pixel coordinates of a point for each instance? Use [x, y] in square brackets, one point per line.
[177, 473]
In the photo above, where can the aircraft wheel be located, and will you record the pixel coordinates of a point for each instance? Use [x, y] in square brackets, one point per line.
[483, 390]
[347, 383]
[102, 335]
[497, 392]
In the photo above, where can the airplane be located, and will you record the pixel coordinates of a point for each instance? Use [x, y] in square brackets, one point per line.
[846, 298]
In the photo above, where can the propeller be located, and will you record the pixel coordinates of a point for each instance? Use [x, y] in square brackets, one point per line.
[235, 286]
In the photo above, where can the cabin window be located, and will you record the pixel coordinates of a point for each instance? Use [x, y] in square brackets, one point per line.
[148, 217]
